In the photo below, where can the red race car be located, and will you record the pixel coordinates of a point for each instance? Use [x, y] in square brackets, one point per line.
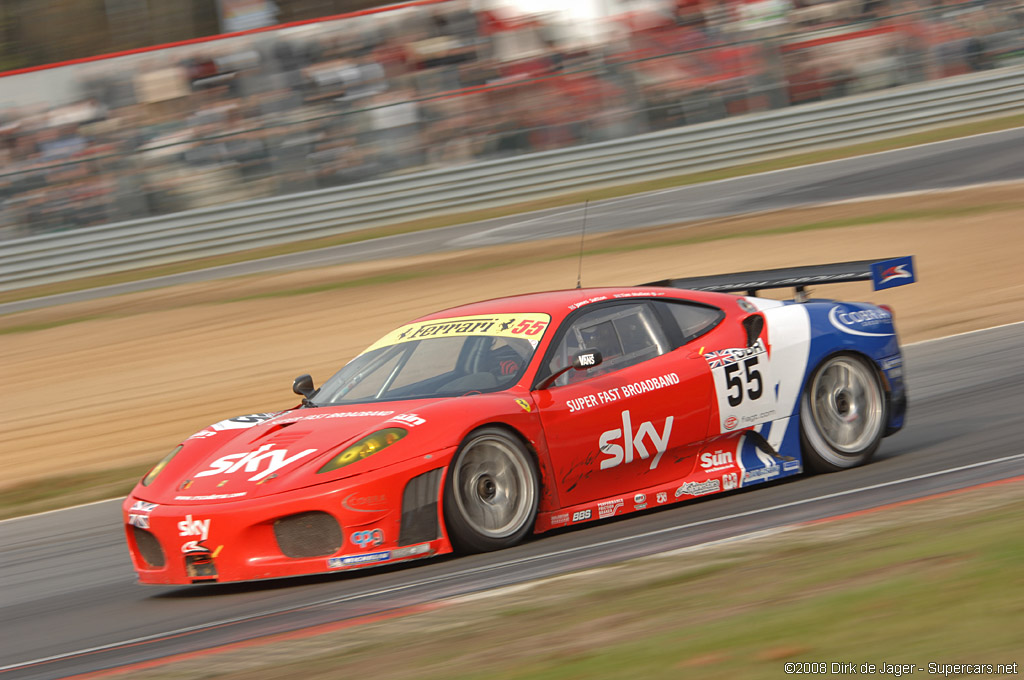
[470, 428]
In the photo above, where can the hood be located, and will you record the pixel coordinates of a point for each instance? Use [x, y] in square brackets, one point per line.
[266, 453]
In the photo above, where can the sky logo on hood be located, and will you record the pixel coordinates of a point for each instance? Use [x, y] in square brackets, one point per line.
[265, 456]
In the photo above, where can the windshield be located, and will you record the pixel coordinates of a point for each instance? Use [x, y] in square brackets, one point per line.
[439, 358]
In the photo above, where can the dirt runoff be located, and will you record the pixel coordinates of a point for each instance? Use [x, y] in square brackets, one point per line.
[110, 383]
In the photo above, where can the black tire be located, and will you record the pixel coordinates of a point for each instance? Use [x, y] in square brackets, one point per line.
[842, 414]
[491, 492]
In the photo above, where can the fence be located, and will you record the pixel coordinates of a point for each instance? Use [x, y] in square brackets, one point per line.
[243, 226]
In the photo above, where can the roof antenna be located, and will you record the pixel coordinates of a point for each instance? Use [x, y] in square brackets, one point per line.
[583, 232]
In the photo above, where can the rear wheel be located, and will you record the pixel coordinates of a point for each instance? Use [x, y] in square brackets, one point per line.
[491, 492]
[842, 414]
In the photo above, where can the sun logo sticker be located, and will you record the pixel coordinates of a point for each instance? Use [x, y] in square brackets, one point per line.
[525, 405]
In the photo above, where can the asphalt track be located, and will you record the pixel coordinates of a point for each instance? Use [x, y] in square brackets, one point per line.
[70, 604]
[992, 157]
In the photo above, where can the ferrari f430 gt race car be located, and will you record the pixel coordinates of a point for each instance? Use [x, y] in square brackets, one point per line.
[468, 429]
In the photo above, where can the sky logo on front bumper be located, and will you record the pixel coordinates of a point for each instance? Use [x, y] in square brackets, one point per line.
[898, 271]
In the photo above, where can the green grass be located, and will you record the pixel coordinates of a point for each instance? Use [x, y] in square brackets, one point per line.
[933, 135]
[62, 491]
[912, 590]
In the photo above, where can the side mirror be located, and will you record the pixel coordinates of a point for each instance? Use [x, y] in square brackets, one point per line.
[303, 386]
[587, 358]
[581, 361]
[753, 324]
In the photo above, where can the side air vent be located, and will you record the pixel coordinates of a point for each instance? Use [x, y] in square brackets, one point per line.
[149, 548]
[308, 534]
[419, 508]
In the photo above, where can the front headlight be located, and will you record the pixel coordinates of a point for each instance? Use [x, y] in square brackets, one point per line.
[151, 475]
[364, 448]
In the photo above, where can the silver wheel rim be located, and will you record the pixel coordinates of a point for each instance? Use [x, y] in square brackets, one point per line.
[846, 404]
[493, 487]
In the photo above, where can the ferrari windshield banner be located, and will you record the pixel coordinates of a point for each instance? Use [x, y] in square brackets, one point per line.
[529, 326]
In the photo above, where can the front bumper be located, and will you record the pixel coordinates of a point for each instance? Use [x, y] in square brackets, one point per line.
[374, 518]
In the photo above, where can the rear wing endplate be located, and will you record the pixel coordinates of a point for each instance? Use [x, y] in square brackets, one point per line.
[896, 271]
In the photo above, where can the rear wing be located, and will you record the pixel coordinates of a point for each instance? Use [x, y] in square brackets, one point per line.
[897, 271]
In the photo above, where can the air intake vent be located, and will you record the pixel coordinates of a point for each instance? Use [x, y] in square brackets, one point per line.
[149, 548]
[308, 534]
[419, 508]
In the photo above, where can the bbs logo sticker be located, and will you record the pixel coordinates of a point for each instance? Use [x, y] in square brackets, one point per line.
[581, 515]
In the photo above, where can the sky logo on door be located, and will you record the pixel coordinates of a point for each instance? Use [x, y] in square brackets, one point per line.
[898, 271]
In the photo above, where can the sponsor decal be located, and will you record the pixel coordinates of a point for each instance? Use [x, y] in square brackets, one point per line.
[761, 474]
[871, 322]
[194, 527]
[202, 434]
[356, 560]
[560, 518]
[581, 515]
[662, 497]
[525, 405]
[699, 488]
[640, 293]
[639, 501]
[143, 506]
[891, 273]
[587, 360]
[332, 416]
[577, 305]
[265, 456]
[616, 393]
[140, 521]
[410, 550]
[743, 385]
[409, 419]
[243, 422]
[650, 385]
[730, 480]
[374, 503]
[712, 462]
[212, 496]
[791, 465]
[617, 454]
[195, 547]
[609, 508]
[530, 326]
[891, 363]
[367, 538]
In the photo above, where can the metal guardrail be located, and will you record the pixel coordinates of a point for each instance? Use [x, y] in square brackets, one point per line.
[232, 228]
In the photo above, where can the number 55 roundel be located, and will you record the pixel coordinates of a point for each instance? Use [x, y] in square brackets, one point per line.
[743, 385]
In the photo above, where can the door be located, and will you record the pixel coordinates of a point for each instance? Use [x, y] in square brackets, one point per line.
[635, 420]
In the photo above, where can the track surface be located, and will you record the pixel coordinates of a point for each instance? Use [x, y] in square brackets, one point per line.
[985, 158]
[67, 585]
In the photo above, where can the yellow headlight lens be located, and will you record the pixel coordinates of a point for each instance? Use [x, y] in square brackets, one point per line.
[364, 448]
[158, 468]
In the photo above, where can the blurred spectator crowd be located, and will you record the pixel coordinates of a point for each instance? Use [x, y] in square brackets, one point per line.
[353, 99]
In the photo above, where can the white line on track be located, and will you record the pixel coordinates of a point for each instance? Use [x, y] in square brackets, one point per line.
[909, 344]
[511, 563]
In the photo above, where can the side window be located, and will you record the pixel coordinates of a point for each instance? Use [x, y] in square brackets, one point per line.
[693, 319]
[625, 334]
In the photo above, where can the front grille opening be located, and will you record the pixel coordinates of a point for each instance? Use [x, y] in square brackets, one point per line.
[149, 548]
[200, 567]
[308, 534]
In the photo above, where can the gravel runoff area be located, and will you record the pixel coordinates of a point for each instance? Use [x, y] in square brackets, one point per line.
[116, 382]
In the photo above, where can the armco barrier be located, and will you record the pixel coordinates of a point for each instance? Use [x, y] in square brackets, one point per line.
[231, 228]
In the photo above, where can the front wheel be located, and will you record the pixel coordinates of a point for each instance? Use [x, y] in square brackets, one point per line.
[491, 492]
[842, 414]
